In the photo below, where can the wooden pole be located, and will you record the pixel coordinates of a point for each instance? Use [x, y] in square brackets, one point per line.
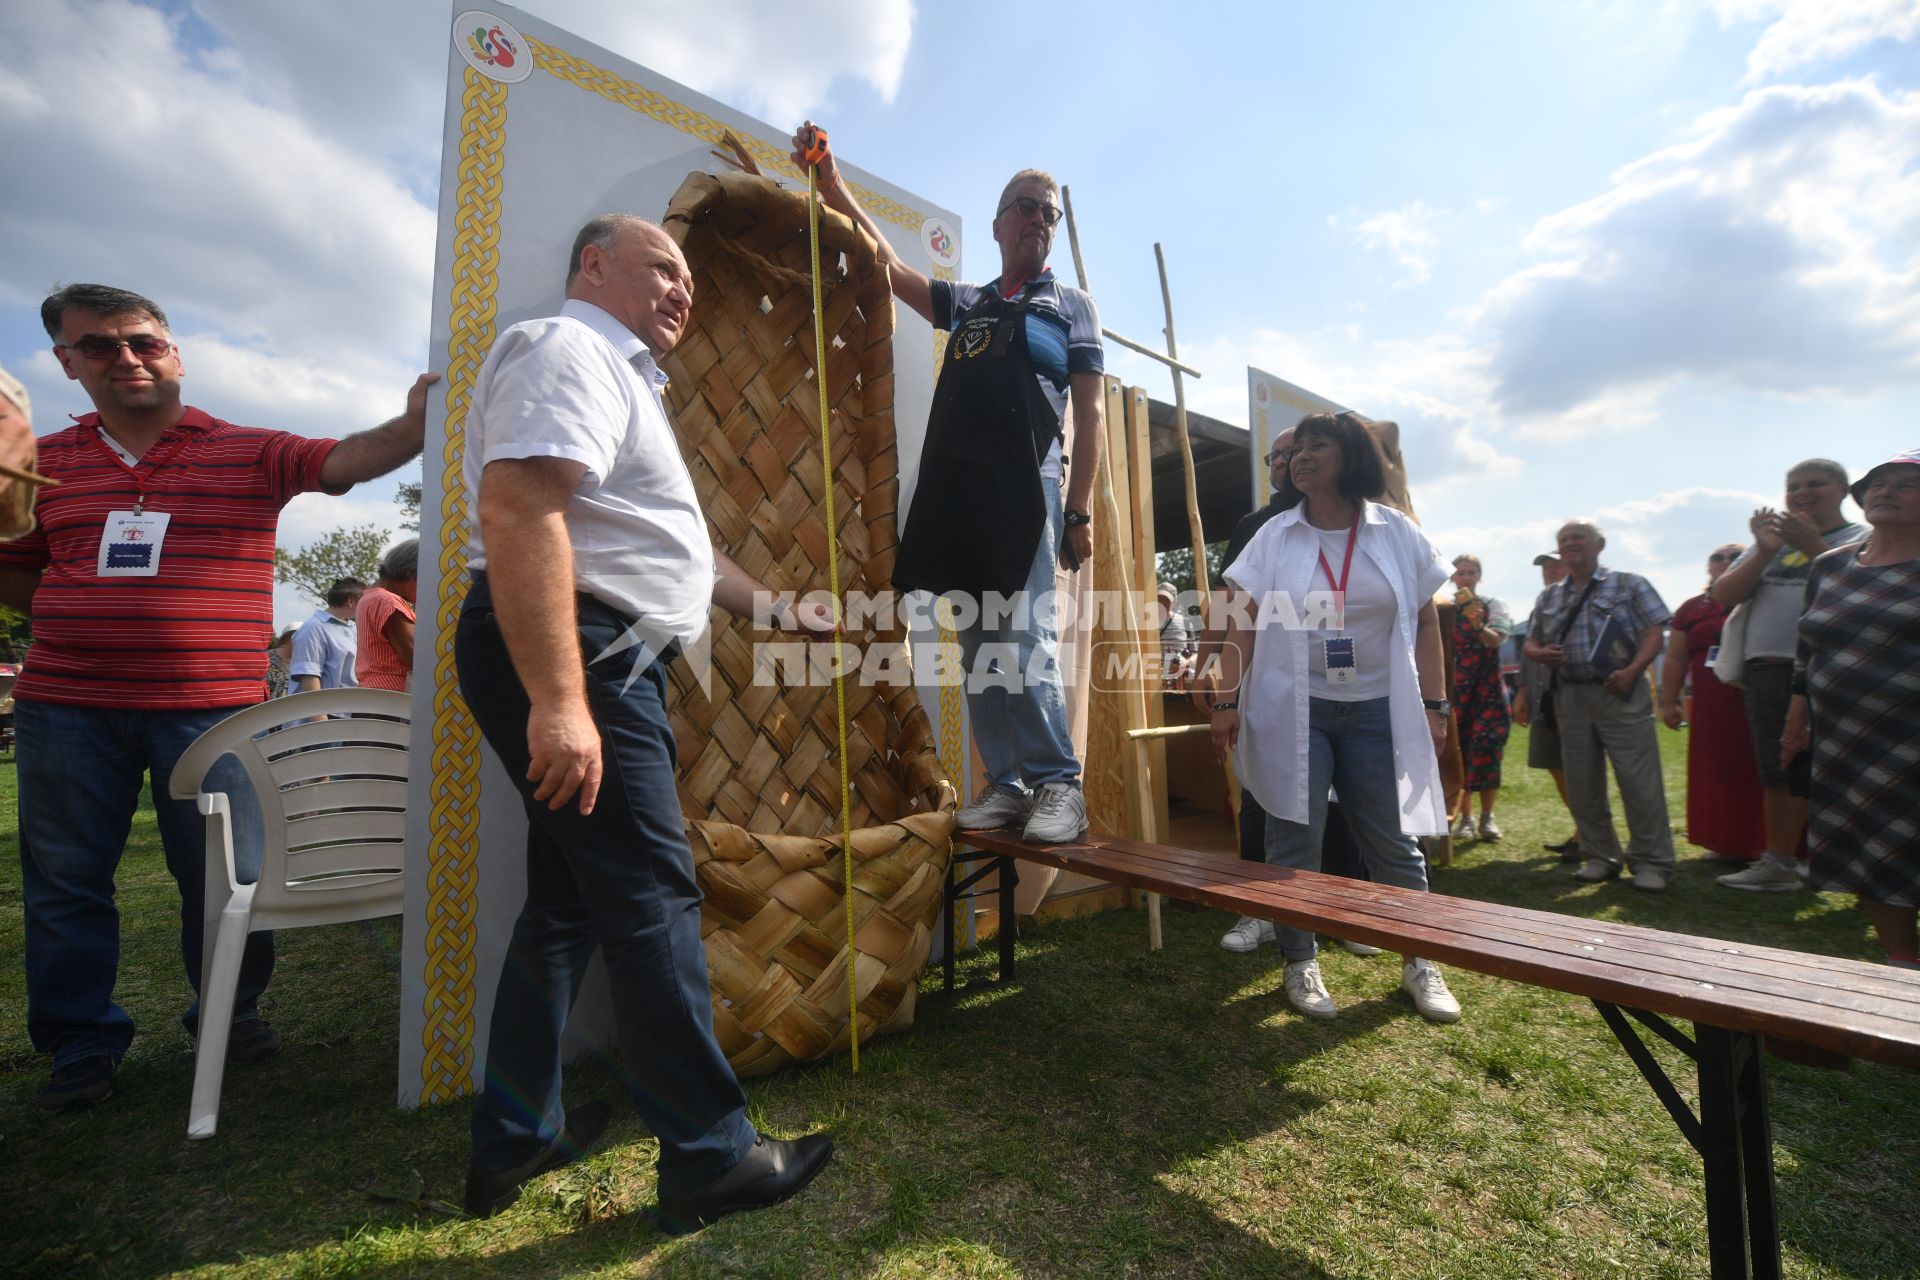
[1073, 241]
[1150, 353]
[1194, 528]
[1080, 273]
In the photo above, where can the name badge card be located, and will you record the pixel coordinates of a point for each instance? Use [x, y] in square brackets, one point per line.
[1338, 653]
[130, 544]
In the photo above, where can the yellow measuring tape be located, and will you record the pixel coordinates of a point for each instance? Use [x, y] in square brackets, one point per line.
[833, 587]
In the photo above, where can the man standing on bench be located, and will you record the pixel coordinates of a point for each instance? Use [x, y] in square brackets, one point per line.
[988, 520]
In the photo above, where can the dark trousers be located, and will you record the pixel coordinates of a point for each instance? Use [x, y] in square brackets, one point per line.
[1338, 855]
[620, 878]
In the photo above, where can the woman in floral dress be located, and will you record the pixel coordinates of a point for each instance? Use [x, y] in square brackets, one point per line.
[1481, 625]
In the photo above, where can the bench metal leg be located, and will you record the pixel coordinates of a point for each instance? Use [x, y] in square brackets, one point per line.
[960, 889]
[1731, 1133]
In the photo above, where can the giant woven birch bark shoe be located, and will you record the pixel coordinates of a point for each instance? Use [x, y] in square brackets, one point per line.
[758, 778]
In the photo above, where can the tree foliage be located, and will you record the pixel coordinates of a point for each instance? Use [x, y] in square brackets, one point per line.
[343, 553]
[409, 499]
[1176, 566]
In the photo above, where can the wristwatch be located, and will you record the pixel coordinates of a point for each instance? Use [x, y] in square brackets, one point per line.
[1226, 706]
[1075, 518]
[1436, 704]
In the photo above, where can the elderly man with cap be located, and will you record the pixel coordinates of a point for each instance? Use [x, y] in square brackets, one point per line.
[1598, 631]
[150, 582]
[1543, 733]
[989, 519]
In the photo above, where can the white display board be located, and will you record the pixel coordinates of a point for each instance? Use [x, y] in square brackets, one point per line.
[543, 132]
[1274, 406]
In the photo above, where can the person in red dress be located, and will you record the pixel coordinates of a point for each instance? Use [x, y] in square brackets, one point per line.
[1724, 814]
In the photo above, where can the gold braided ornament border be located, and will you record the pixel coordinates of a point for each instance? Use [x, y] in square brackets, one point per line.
[453, 822]
[578, 71]
[446, 1068]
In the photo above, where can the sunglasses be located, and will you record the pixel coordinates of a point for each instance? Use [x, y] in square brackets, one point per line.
[1280, 454]
[1723, 557]
[145, 346]
[1028, 207]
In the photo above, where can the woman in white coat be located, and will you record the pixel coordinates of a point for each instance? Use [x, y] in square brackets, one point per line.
[1345, 685]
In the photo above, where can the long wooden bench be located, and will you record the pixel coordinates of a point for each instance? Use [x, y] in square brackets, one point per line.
[1743, 1000]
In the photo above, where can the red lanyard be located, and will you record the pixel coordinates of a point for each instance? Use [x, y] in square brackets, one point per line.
[152, 459]
[1346, 565]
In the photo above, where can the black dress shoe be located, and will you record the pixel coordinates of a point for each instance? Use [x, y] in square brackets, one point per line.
[491, 1190]
[1568, 849]
[770, 1173]
[79, 1084]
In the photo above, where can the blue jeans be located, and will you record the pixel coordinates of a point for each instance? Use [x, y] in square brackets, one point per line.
[79, 770]
[1022, 733]
[620, 878]
[1350, 746]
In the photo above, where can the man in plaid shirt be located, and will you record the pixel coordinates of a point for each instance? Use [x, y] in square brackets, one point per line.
[1597, 631]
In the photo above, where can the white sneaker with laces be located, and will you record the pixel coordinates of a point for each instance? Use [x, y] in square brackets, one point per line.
[1489, 829]
[996, 806]
[1059, 815]
[1423, 982]
[1463, 829]
[1307, 990]
[1248, 935]
[1772, 874]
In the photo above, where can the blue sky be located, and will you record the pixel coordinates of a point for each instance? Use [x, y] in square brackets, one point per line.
[1620, 260]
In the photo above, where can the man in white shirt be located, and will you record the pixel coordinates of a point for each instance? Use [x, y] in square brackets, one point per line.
[589, 537]
[325, 645]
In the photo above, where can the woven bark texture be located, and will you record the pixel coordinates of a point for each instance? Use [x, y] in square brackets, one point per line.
[759, 772]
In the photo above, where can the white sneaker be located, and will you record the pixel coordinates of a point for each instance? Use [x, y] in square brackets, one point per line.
[996, 806]
[1772, 874]
[1489, 829]
[1059, 815]
[1422, 981]
[1463, 829]
[1360, 948]
[1307, 990]
[1248, 934]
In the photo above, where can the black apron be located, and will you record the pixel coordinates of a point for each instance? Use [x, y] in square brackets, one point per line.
[978, 512]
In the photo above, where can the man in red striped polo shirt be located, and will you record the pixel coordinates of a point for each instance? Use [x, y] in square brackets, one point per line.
[150, 582]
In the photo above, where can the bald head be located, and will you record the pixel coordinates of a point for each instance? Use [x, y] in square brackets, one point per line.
[632, 269]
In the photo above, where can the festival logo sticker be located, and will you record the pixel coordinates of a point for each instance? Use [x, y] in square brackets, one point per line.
[942, 243]
[492, 47]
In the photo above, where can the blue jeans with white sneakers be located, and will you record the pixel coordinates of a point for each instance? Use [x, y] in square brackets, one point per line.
[1022, 732]
[1349, 747]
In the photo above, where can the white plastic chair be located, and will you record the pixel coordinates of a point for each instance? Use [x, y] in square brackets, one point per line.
[333, 809]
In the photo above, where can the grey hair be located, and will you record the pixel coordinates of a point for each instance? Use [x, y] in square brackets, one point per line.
[402, 561]
[1586, 526]
[1025, 175]
[1823, 466]
[601, 232]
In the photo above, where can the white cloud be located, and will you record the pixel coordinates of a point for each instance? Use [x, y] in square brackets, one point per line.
[778, 62]
[171, 180]
[1407, 234]
[1803, 33]
[1777, 251]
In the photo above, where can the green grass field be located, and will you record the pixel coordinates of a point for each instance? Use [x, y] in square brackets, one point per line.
[1116, 1113]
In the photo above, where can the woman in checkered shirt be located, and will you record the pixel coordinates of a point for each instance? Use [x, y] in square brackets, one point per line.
[1857, 699]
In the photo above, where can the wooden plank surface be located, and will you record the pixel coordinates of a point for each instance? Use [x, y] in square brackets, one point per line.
[1843, 1006]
